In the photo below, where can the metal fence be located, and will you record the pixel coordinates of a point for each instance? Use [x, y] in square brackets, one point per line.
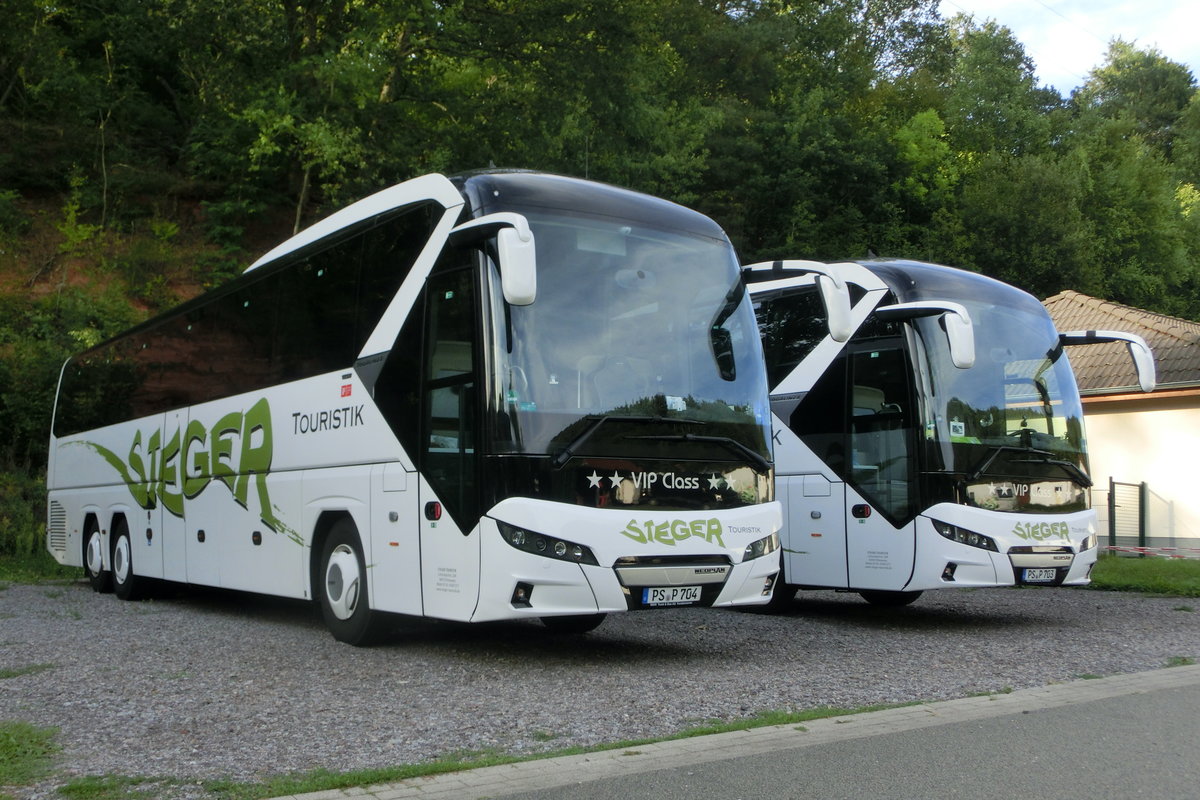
[1138, 521]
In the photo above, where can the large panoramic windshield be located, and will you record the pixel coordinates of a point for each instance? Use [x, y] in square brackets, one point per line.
[1011, 426]
[641, 342]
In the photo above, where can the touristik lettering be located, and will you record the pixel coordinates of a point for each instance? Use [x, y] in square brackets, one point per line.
[328, 420]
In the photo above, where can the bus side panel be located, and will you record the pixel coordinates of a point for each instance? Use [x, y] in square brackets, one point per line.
[261, 554]
[109, 471]
[205, 530]
[395, 544]
[174, 532]
[156, 533]
[878, 554]
[449, 563]
[68, 509]
[814, 533]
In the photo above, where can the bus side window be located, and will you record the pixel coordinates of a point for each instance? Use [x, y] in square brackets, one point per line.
[388, 253]
[791, 326]
[317, 309]
[820, 418]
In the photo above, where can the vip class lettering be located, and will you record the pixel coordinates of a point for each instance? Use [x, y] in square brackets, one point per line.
[669, 480]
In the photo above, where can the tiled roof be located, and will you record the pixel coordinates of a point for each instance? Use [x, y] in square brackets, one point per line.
[1102, 368]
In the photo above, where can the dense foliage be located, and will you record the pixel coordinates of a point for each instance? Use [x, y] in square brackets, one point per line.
[150, 144]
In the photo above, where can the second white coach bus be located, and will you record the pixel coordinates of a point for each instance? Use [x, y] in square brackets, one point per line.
[499, 396]
[928, 430]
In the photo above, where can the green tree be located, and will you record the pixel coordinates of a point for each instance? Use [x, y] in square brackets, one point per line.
[993, 103]
[1022, 221]
[1144, 244]
[1142, 86]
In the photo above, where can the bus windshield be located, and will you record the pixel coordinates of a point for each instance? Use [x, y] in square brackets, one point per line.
[613, 358]
[1011, 426]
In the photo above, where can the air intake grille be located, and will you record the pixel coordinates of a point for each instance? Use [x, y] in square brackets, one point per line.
[56, 529]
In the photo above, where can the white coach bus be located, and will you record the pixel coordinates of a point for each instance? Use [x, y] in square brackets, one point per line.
[928, 430]
[498, 396]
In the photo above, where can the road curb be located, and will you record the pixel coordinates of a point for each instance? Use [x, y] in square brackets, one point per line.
[547, 773]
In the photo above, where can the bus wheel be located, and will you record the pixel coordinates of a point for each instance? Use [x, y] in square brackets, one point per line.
[574, 623]
[93, 558]
[889, 599]
[343, 587]
[126, 585]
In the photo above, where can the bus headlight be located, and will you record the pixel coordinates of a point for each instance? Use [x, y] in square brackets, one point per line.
[1089, 542]
[764, 546]
[964, 536]
[541, 545]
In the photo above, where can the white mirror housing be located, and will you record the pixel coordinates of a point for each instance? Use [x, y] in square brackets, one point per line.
[1139, 351]
[516, 255]
[960, 331]
[834, 293]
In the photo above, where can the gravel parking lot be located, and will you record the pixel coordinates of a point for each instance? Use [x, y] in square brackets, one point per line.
[212, 684]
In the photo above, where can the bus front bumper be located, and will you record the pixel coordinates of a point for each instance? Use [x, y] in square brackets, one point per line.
[518, 585]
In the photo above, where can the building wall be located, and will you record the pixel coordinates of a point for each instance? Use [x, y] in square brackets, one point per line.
[1152, 438]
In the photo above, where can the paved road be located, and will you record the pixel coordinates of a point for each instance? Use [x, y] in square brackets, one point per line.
[1119, 737]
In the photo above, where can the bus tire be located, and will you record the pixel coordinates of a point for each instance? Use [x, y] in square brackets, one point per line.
[126, 585]
[93, 557]
[342, 587]
[889, 599]
[574, 623]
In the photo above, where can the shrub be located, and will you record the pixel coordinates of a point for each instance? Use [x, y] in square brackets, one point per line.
[22, 513]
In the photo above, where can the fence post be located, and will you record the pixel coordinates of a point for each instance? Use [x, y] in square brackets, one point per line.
[1112, 512]
[1143, 512]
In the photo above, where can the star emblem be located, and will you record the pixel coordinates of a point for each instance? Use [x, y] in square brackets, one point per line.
[714, 482]
[616, 478]
[594, 480]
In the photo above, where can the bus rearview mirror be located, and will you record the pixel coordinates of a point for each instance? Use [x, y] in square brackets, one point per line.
[960, 332]
[516, 256]
[830, 282]
[836, 299]
[1139, 351]
[518, 266]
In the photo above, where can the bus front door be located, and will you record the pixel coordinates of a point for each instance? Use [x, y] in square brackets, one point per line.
[880, 467]
[449, 491]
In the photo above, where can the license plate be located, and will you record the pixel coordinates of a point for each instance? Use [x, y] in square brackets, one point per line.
[670, 595]
[1041, 575]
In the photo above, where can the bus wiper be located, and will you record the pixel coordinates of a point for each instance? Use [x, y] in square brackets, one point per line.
[565, 454]
[1080, 476]
[1047, 457]
[753, 457]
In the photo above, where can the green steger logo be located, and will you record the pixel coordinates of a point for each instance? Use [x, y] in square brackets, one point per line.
[1039, 531]
[671, 531]
[236, 451]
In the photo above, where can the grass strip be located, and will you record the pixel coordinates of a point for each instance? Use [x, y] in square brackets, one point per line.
[26, 752]
[324, 780]
[1178, 577]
